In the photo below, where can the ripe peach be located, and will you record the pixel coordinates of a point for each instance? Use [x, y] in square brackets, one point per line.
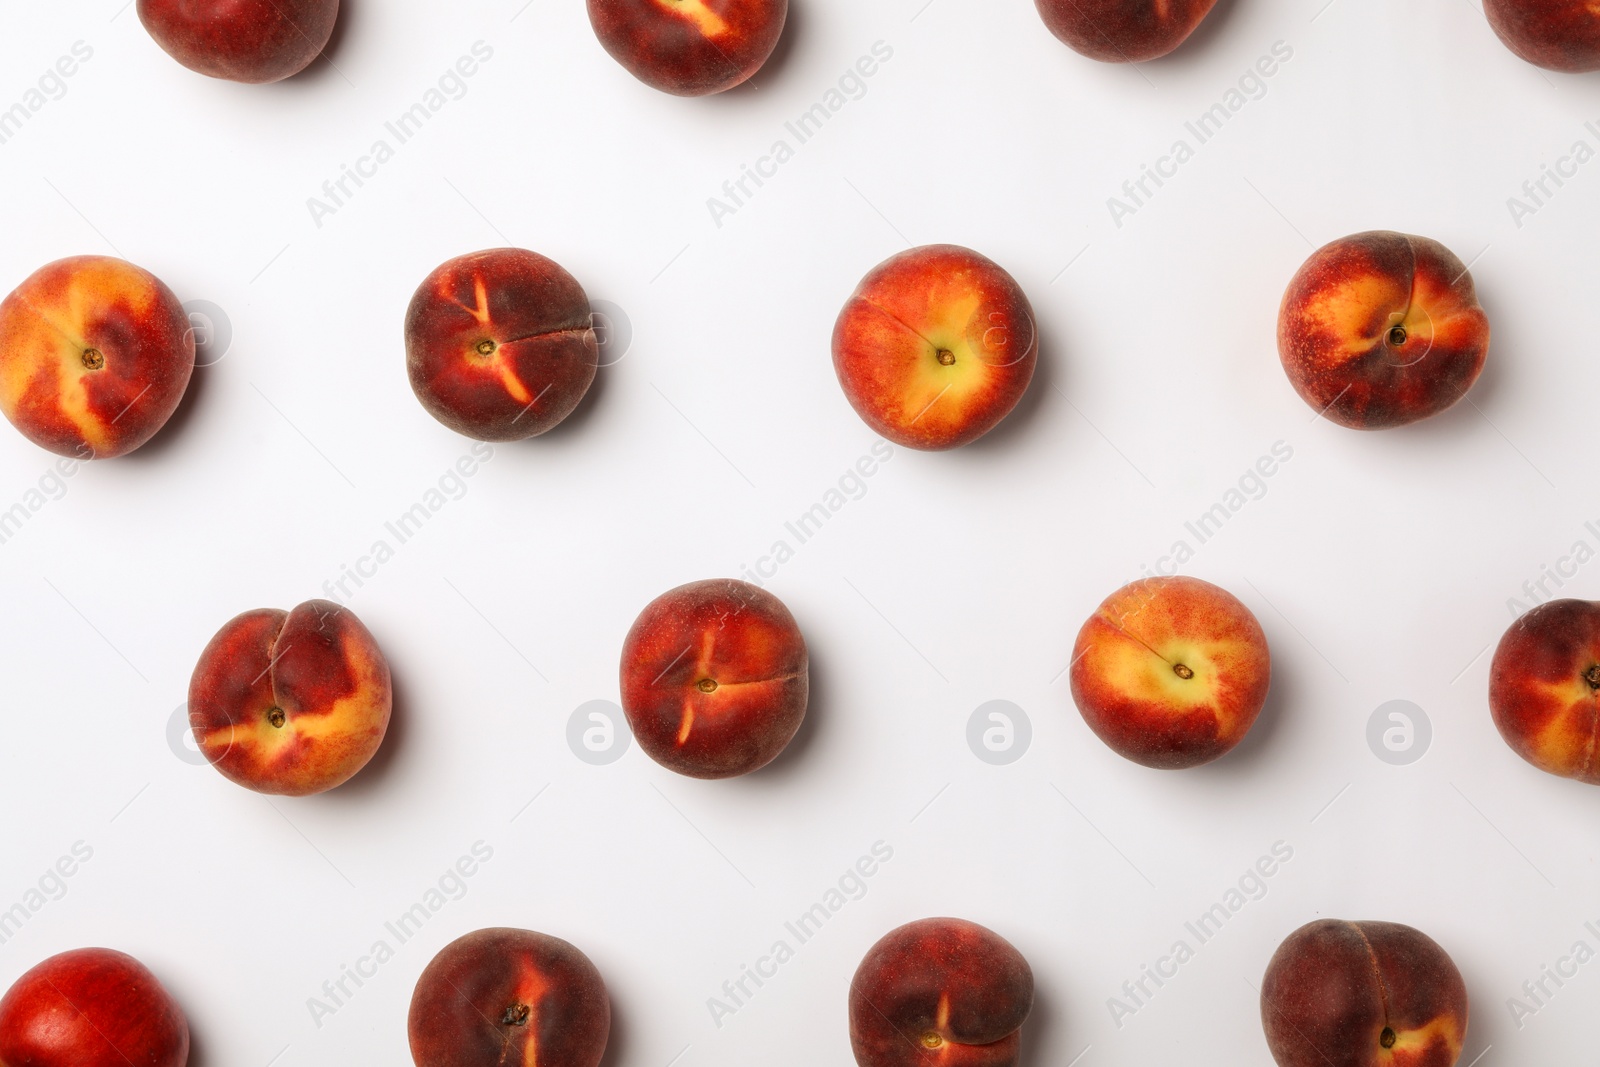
[91, 1007]
[1171, 672]
[1380, 329]
[940, 991]
[291, 703]
[689, 47]
[95, 355]
[714, 678]
[1363, 994]
[1123, 31]
[1544, 688]
[1559, 35]
[935, 347]
[500, 345]
[241, 40]
[500, 996]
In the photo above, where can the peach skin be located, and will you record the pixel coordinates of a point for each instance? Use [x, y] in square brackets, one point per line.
[1363, 994]
[714, 678]
[689, 47]
[1171, 672]
[499, 997]
[91, 1007]
[1561, 35]
[291, 703]
[940, 993]
[254, 41]
[935, 347]
[1544, 688]
[95, 355]
[1380, 329]
[500, 345]
[1123, 31]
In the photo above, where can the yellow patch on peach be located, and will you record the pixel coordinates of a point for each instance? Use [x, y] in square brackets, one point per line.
[1442, 1030]
[697, 11]
[1344, 310]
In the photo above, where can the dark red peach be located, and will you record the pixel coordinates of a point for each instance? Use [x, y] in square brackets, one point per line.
[940, 993]
[241, 40]
[500, 997]
[1363, 994]
[714, 678]
[1544, 688]
[500, 345]
[1559, 35]
[1123, 31]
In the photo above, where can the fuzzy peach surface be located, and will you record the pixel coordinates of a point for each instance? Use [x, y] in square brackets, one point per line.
[95, 355]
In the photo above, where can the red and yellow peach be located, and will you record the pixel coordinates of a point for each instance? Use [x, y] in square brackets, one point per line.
[1171, 672]
[689, 47]
[291, 703]
[95, 355]
[1544, 688]
[1380, 329]
[935, 347]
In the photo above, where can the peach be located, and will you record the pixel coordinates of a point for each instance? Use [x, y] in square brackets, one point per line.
[500, 996]
[92, 1007]
[1123, 31]
[935, 347]
[714, 678]
[1363, 994]
[291, 703]
[689, 47]
[941, 992]
[253, 41]
[1380, 329]
[95, 355]
[500, 345]
[1171, 672]
[1559, 35]
[1544, 688]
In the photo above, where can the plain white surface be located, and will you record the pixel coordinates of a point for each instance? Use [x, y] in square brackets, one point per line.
[1379, 564]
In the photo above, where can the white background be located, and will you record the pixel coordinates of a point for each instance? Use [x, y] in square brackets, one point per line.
[1380, 564]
